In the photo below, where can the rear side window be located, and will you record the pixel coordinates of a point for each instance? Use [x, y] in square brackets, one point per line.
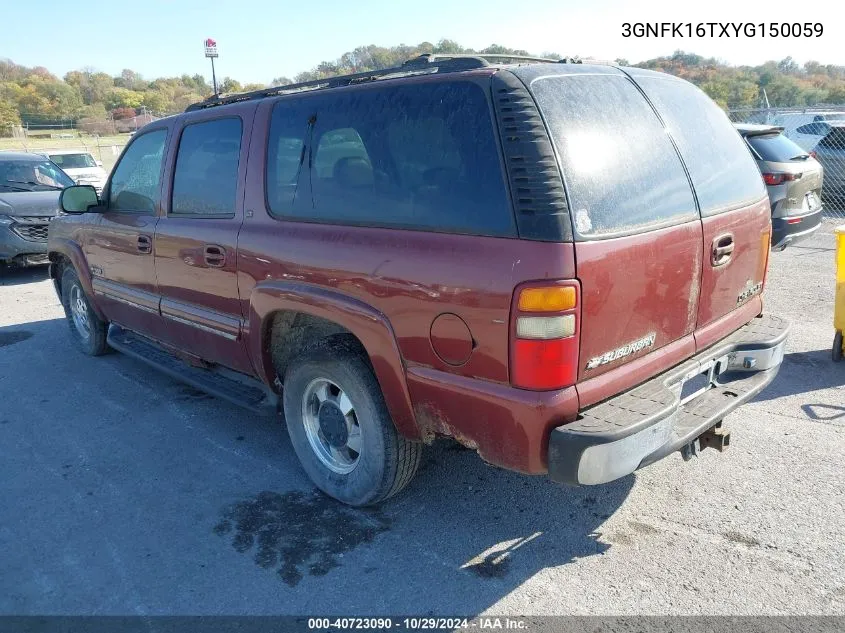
[722, 170]
[776, 148]
[136, 180]
[205, 181]
[835, 139]
[621, 172]
[815, 129]
[418, 156]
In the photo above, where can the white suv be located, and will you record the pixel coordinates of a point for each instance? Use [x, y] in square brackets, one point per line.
[81, 166]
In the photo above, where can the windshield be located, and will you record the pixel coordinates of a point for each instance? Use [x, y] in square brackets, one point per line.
[776, 148]
[73, 161]
[32, 175]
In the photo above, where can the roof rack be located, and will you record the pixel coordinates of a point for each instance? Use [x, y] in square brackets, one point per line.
[424, 64]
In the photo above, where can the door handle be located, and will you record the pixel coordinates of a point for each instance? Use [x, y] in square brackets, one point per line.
[145, 244]
[215, 256]
[722, 250]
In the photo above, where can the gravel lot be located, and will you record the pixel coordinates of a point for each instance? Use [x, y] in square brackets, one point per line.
[123, 492]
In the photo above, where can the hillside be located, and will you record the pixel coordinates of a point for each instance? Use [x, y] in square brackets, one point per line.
[93, 100]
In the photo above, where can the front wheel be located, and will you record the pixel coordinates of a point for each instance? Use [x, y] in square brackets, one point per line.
[342, 432]
[87, 329]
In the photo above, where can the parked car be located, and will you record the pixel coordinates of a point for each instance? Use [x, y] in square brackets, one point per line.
[534, 259]
[793, 179]
[806, 129]
[29, 199]
[830, 152]
[80, 166]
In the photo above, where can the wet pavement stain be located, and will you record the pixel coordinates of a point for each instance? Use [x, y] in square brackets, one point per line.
[297, 533]
[10, 338]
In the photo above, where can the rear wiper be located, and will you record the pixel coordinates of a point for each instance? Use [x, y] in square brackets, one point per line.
[35, 184]
[800, 157]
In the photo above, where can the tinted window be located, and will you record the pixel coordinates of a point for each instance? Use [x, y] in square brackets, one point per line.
[776, 148]
[205, 181]
[620, 168]
[36, 175]
[285, 153]
[73, 161]
[723, 172]
[816, 129]
[414, 156]
[135, 183]
[835, 139]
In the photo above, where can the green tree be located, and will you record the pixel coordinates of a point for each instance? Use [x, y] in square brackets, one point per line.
[9, 118]
[230, 85]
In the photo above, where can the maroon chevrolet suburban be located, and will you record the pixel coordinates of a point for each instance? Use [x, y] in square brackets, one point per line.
[559, 265]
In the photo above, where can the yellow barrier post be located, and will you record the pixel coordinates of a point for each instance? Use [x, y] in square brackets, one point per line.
[839, 304]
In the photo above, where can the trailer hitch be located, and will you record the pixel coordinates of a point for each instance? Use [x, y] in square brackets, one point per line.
[715, 437]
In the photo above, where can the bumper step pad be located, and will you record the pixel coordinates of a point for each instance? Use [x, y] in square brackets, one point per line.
[636, 428]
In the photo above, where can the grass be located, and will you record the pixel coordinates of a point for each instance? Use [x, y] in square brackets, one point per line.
[103, 148]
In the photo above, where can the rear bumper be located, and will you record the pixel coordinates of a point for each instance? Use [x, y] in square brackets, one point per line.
[647, 423]
[788, 230]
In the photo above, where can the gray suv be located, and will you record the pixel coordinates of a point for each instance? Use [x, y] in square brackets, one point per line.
[793, 179]
[29, 198]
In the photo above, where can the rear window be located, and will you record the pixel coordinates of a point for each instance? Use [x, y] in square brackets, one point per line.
[775, 148]
[723, 172]
[73, 161]
[621, 172]
[835, 139]
[417, 156]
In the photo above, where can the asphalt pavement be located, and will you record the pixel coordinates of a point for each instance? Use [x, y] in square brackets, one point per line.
[124, 492]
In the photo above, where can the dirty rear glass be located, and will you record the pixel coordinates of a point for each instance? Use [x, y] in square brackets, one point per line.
[621, 172]
[723, 172]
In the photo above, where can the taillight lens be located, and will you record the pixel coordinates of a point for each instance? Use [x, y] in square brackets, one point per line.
[813, 154]
[777, 179]
[544, 336]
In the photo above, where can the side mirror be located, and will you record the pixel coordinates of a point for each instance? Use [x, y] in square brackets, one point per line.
[78, 199]
[99, 163]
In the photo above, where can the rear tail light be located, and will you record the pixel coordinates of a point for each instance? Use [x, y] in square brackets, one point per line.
[776, 178]
[544, 336]
[813, 154]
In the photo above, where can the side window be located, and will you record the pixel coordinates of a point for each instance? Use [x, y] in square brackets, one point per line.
[621, 172]
[205, 180]
[135, 183]
[413, 156]
[723, 173]
[285, 154]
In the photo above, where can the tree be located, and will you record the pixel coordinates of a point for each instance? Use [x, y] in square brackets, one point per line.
[9, 118]
[123, 113]
[123, 98]
[281, 81]
[230, 85]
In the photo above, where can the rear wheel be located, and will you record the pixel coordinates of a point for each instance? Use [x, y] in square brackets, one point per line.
[86, 328]
[341, 430]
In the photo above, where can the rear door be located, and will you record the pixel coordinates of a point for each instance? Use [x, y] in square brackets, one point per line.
[732, 198]
[638, 234]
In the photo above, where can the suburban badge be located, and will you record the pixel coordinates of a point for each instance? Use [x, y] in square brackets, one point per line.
[749, 291]
[621, 352]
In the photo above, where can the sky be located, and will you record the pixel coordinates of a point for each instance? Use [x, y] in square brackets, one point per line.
[262, 39]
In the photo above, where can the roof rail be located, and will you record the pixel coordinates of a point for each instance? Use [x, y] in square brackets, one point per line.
[423, 64]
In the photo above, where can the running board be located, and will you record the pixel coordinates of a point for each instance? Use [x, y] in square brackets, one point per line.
[223, 383]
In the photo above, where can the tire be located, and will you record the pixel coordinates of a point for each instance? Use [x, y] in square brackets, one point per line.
[316, 415]
[86, 328]
[837, 347]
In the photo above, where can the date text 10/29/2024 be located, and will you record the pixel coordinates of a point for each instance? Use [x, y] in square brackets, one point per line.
[722, 29]
[422, 623]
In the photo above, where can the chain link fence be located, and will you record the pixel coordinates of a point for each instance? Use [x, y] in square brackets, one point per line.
[103, 148]
[820, 132]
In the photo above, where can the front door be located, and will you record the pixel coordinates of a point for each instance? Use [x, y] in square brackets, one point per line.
[196, 238]
[120, 245]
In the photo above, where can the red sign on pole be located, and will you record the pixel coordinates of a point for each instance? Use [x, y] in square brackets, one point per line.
[210, 48]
